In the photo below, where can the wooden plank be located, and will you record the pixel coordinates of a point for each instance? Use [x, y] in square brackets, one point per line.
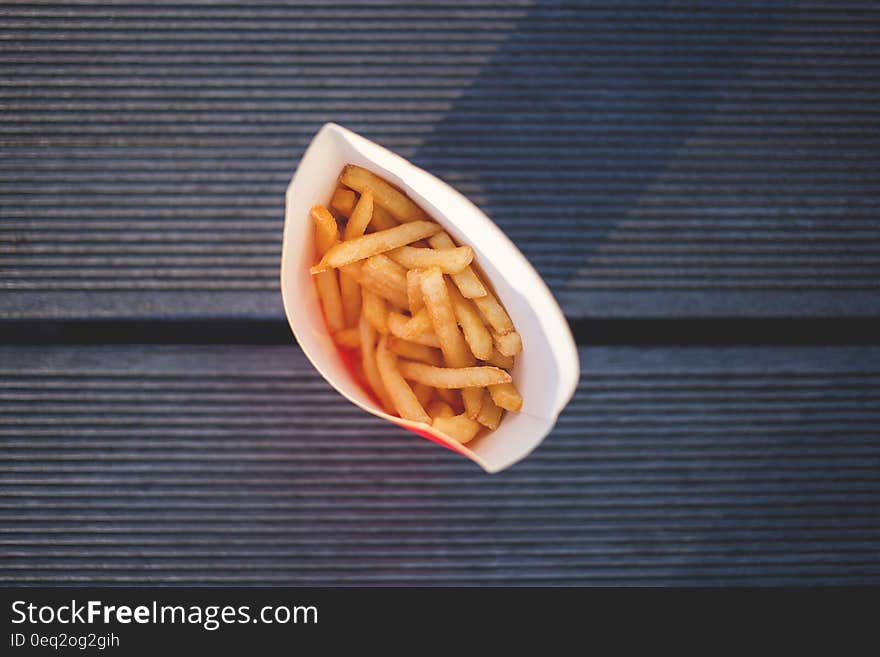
[221, 465]
[650, 161]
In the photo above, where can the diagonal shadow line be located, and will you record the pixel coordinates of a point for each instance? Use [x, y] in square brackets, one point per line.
[572, 119]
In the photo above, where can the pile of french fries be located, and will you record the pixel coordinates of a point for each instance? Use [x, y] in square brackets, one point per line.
[436, 345]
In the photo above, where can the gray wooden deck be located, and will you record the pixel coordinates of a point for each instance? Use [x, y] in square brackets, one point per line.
[650, 161]
[653, 161]
[205, 465]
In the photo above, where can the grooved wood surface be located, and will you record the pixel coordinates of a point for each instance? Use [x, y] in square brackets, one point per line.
[651, 159]
[212, 465]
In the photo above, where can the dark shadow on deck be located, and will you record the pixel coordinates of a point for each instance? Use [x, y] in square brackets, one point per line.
[580, 110]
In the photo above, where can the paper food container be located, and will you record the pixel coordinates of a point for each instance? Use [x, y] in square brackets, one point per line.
[546, 372]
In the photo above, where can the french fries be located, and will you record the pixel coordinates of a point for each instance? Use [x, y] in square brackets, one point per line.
[453, 377]
[453, 345]
[369, 365]
[387, 196]
[350, 292]
[472, 397]
[385, 269]
[490, 412]
[451, 396]
[466, 280]
[424, 393]
[343, 203]
[475, 332]
[327, 282]
[494, 313]
[508, 344]
[436, 345]
[500, 360]
[350, 338]
[383, 289]
[460, 427]
[414, 351]
[449, 261]
[506, 396]
[375, 310]
[381, 220]
[360, 216]
[365, 246]
[326, 230]
[414, 290]
[398, 324]
[331, 300]
[418, 324]
[439, 408]
[436, 297]
[386, 278]
[402, 396]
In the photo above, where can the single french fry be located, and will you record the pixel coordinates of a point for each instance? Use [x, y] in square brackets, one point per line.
[326, 229]
[350, 338]
[500, 360]
[452, 377]
[350, 290]
[360, 216]
[460, 427]
[372, 244]
[490, 412]
[506, 396]
[439, 408]
[467, 281]
[331, 301]
[397, 326]
[343, 201]
[375, 310]
[326, 234]
[385, 283]
[495, 315]
[402, 396]
[369, 365]
[472, 397]
[452, 343]
[414, 290]
[450, 261]
[423, 393]
[414, 351]
[386, 195]
[475, 332]
[418, 324]
[509, 344]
